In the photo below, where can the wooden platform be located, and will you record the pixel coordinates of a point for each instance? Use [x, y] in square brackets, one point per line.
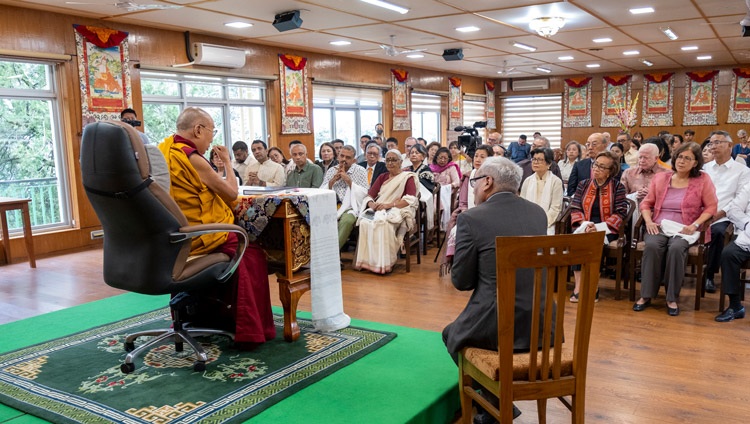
[644, 367]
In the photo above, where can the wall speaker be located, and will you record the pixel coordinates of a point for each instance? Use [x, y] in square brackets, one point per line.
[287, 21]
[453, 54]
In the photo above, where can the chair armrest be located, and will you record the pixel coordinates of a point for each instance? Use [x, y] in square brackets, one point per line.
[190, 231]
[640, 227]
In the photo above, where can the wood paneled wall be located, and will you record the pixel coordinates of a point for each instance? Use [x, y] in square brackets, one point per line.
[38, 31]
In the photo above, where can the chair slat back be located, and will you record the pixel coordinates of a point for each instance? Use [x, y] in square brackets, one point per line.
[549, 257]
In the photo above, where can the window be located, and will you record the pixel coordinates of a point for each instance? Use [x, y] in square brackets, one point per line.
[525, 115]
[31, 149]
[345, 113]
[425, 116]
[474, 112]
[237, 105]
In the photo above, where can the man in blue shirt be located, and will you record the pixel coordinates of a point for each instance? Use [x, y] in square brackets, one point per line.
[519, 150]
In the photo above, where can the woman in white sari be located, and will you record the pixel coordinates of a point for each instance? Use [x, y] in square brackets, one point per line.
[390, 210]
[543, 187]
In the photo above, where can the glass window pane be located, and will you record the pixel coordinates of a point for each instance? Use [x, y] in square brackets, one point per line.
[247, 123]
[416, 124]
[155, 87]
[431, 126]
[159, 120]
[245, 92]
[368, 120]
[28, 162]
[322, 122]
[217, 113]
[346, 121]
[204, 90]
[24, 76]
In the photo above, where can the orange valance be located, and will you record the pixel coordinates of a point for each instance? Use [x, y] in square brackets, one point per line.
[400, 74]
[294, 63]
[702, 76]
[577, 82]
[456, 82]
[616, 80]
[658, 78]
[101, 37]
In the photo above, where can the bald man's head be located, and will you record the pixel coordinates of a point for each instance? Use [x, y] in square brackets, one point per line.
[191, 117]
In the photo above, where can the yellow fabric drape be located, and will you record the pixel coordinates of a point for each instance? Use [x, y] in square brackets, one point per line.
[199, 204]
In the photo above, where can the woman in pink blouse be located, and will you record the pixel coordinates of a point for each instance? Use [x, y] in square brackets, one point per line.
[684, 199]
[446, 171]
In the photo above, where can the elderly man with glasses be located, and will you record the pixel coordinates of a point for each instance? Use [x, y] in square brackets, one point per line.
[582, 170]
[372, 164]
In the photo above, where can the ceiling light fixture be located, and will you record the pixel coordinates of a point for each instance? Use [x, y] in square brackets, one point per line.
[641, 10]
[688, 48]
[706, 57]
[547, 26]
[239, 25]
[523, 46]
[669, 33]
[631, 52]
[602, 40]
[468, 29]
[647, 62]
[593, 65]
[545, 70]
[415, 56]
[340, 43]
[386, 5]
[565, 58]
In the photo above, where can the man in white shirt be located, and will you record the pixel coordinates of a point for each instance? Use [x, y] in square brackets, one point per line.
[408, 144]
[728, 177]
[735, 255]
[629, 149]
[242, 158]
[349, 181]
[264, 172]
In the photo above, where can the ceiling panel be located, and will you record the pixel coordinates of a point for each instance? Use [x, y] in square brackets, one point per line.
[520, 17]
[317, 40]
[447, 25]
[691, 61]
[585, 39]
[381, 33]
[483, 5]
[417, 9]
[727, 26]
[506, 44]
[693, 29]
[617, 53]
[616, 12]
[553, 56]
[721, 7]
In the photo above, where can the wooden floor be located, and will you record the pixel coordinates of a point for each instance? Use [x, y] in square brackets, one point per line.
[643, 367]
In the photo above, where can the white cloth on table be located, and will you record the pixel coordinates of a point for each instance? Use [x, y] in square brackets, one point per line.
[327, 301]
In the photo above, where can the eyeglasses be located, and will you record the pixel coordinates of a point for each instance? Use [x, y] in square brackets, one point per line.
[373, 153]
[597, 165]
[392, 160]
[685, 158]
[214, 131]
[538, 160]
[473, 181]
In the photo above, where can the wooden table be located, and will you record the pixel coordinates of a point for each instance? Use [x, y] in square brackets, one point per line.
[10, 204]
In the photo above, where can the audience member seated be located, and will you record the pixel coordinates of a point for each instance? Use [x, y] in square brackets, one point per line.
[572, 155]
[519, 150]
[373, 165]
[676, 206]
[495, 186]
[327, 155]
[305, 174]
[734, 256]
[583, 169]
[741, 149]
[728, 177]
[349, 181]
[664, 155]
[538, 143]
[204, 198]
[389, 212]
[543, 188]
[463, 161]
[636, 180]
[242, 158]
[276, 155]
[707, 150]
[446, 171]
[596, 200]
[264, 172]
[416, 157]
[218, 165]
[432, 148]
[499, 150]
[465, 201]
[618, 151]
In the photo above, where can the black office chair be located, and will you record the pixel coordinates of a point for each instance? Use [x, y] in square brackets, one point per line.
[146, 236]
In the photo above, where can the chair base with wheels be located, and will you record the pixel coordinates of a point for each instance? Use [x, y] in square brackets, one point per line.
[180, 333]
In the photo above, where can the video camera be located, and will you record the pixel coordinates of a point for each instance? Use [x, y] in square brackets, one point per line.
[132, 122]
[470, 139]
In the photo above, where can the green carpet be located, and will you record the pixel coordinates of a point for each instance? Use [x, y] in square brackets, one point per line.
[411, 379]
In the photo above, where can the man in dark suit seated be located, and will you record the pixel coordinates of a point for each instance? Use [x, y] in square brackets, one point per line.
[595, 144]
[495, 186]
[373, 165]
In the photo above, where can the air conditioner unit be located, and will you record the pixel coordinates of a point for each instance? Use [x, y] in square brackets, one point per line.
[213, 55]
[530, 84]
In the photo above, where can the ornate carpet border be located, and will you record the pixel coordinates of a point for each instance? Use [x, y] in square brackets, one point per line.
[236, 406]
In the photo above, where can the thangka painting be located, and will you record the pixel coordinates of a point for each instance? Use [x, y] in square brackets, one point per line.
[489, 105]
[615, 97]
[104, 73]
[295, 113]
[739, 101]
[701, 97]
[577, 103]
[658, 100]
[455, 104]
[401, 100]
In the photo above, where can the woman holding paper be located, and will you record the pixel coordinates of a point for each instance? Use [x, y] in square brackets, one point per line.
[677, 205]
[598, 200]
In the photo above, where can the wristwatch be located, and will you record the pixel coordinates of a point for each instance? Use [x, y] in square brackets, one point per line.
[696, 225]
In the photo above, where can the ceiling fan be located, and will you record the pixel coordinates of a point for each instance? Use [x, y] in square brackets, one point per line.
[392, 51]
[505, 70]
[130, 6]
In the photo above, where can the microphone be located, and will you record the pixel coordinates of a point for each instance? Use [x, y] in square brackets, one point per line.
[458, 129]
